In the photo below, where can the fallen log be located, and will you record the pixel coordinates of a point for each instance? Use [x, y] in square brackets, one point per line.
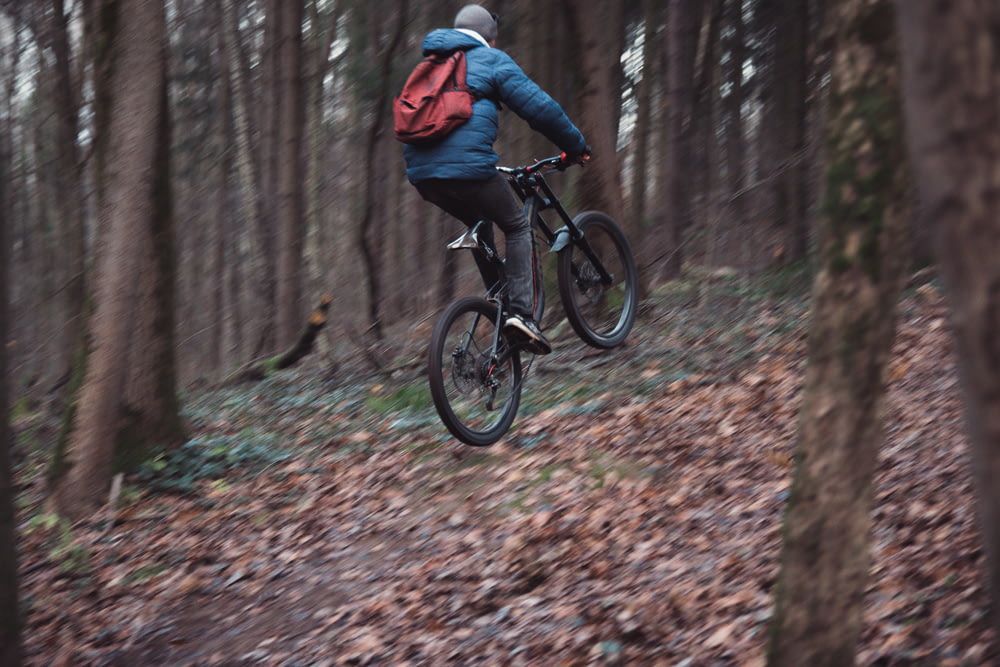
[259, 369]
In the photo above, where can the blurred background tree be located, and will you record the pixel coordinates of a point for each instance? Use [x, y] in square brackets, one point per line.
[287, 185]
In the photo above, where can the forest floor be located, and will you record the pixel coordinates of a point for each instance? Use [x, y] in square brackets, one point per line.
[632, 516]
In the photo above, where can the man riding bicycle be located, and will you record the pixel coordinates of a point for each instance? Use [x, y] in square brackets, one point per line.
[458, 173]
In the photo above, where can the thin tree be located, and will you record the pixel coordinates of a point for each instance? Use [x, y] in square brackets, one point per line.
[289, 102]
[238, 133]
[593, 38]
[952, 83]
[734, 101]
[267, 117]
[682, 22]
[69, 204]
[824, 557]
[9, 616]
[126, 403]
[643, 122]
[788, 123]
[385, 47]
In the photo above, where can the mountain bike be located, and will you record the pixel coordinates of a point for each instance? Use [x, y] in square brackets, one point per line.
[476, 372]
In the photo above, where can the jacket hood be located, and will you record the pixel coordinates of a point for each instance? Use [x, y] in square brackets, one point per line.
[445, 40]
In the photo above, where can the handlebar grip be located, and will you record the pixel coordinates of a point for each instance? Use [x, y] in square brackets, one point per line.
[582, 159]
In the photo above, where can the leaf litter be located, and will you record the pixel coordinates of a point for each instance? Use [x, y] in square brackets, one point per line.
[632, 516]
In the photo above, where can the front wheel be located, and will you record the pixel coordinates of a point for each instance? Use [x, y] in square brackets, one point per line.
[598, 281]
[476, 387]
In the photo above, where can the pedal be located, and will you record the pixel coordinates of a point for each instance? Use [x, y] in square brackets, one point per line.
[467, 240]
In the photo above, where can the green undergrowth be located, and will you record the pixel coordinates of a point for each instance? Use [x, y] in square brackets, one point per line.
[406, 398]
[211, 457]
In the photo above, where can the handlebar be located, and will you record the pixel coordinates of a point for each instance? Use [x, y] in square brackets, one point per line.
[559, 162]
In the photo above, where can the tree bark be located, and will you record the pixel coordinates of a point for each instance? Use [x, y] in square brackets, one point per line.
[151, 418]
[598, 101]
[952, 84]
[704, 162]
[225, 199]
[789, 85]
[248, 248]
[127, 393]
[318, 47]
[69, 203]
[269, 132]
[641, 138]
[734, 139]
[289, 198]
[682, 22]
[10, 622]
[824, 558]
[370, 233]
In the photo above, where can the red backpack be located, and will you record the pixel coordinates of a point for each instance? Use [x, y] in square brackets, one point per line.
[434, 101]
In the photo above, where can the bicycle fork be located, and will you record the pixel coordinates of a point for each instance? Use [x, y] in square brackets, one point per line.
[498, 356]
[486, 370]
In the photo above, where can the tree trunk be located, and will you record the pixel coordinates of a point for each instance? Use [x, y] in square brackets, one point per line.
[659, 199]
[682, 27]
[640, 174]
[247, 248]
[127, 395]
[600, 185]
[370, 233]
[317, 50]
[704, 162]
[789, 122]
[289, 199]
[950, 54]
[824, 559]
[70, 209]
[151, 407]
[224, 200]
[734, 139]
[10, 621]
[267, 103]
[528, 33]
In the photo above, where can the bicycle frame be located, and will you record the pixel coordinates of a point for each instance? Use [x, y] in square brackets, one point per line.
[531, 187]
[477, 390]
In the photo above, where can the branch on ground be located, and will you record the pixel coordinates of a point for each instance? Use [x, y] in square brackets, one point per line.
[260, 369]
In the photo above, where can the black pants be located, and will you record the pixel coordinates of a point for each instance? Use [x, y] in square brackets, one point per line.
[492, 199]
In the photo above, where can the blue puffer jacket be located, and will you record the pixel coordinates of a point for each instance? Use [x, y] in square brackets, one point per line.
[493, 76]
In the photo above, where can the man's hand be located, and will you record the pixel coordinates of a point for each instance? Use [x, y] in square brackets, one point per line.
[581, 159]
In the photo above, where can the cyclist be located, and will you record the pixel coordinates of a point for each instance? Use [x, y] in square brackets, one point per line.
[458, 173]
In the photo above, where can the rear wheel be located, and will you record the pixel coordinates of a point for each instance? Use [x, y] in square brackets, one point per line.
[475, 388]
[601, 309]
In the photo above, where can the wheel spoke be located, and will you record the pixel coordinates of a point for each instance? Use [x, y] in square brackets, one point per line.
[601, 311]
[476, 391]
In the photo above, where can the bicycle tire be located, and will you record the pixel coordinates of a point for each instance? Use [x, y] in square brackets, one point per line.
[602, 315]
[462, 379]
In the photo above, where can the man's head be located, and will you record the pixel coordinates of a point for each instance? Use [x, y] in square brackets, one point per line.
[474, 17]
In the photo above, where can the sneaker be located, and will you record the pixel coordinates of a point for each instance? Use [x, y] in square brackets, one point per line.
[526, 332]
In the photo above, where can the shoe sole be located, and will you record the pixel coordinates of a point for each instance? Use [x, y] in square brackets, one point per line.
[525, 340]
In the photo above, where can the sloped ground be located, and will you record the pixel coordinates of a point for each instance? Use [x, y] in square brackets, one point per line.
[631, 517]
